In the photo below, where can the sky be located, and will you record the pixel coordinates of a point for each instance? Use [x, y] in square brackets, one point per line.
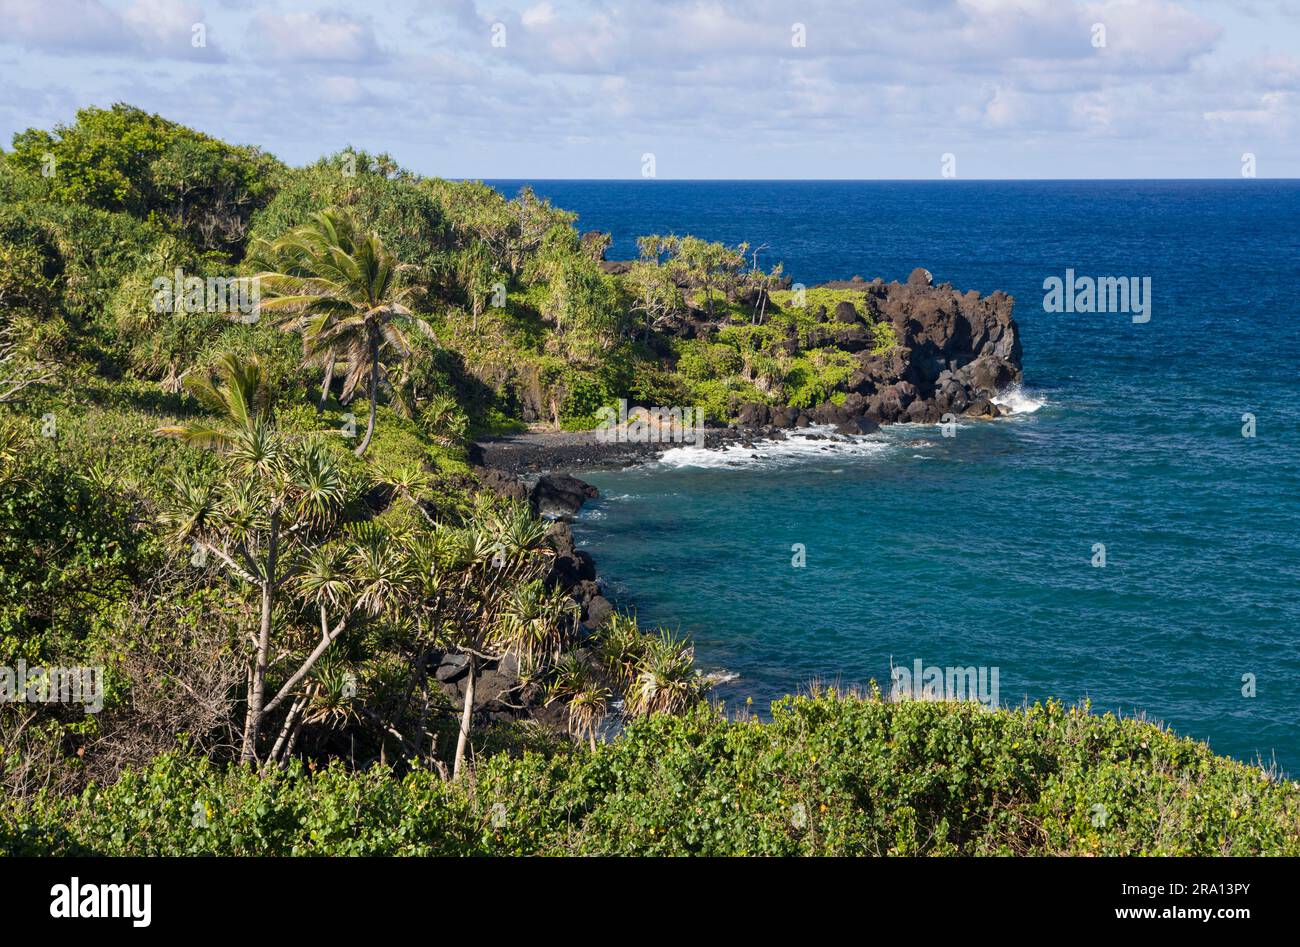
[862, 89]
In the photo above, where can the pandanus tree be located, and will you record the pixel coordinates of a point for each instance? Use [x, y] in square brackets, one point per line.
[480, 593]
[271, 521]
[17, 374]
[664, 680]
[587, 698]
[339, 286]
[477, 276]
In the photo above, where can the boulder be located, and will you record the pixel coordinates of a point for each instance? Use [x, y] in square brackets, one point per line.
[828, 412]
[556, 495]
[570, 565]
[819, 337]
[847, 313]
[452, 668]
[783, 417]
[502, 484]
[952, 396]
[496, 682]
[854, 338]
[898, 396]
[857, 426]
[982, 407]
[988, 374]
[585, 591]
[922, 412]
[597, 612]
[753, 415]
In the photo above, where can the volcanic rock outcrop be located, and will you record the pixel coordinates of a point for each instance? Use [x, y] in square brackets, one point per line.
[955, 351]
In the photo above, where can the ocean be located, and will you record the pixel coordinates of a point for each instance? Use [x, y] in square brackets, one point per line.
[982, 549]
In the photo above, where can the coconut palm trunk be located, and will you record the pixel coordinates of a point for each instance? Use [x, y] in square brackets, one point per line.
[325, 385]
[374, 392]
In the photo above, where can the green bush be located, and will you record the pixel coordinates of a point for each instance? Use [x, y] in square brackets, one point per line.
[828, 775]
[405, 215]
[68, 548]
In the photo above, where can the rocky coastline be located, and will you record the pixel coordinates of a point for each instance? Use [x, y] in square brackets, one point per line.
[955, 353]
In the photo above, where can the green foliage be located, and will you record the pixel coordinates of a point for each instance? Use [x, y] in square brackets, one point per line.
[585, 396]
[512, 230]
[828, 775]
[84, 252]
[813, 378]
[124, 159]
[69, 543]
[700, 360]
[582, 299]
[373, 191]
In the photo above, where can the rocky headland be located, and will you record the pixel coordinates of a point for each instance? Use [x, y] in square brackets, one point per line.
[954, 353]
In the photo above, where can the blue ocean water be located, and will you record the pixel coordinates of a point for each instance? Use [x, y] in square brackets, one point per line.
[978, 549]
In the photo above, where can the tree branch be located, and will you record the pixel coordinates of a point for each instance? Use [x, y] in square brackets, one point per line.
[327, 639]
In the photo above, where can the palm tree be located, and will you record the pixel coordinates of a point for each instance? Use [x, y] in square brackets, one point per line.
[239, 396]
[342, 289]
[269, 512]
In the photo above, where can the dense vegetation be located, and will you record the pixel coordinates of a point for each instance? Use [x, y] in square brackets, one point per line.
[235, 400]
[827, 775]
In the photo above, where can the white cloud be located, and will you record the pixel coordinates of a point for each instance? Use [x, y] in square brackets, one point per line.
[716, 82]
[314, 37]
[537, 16]
[63, 24]
[164, 26]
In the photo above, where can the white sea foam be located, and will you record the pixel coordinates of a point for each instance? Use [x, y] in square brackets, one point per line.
[723, 676]
[1018, 401]
[797, 446]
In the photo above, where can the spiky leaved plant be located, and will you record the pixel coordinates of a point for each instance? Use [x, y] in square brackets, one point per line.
[666, 682]
[587, 699]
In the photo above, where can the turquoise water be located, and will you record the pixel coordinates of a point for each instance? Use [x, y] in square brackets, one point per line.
[978, 549]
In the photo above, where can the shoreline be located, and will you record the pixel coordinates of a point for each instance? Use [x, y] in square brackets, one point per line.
[540, 452]
[529, 455]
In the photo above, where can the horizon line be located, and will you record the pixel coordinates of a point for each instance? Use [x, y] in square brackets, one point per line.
[873, 180]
